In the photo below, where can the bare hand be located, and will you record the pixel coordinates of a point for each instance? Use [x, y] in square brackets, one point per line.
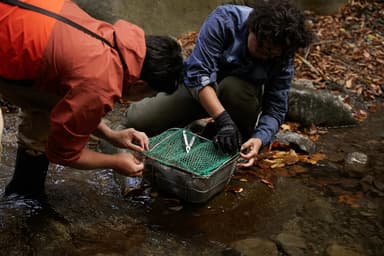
[248, 152]
[127, 164]
[130, 138]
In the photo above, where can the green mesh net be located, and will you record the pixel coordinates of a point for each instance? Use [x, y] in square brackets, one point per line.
[169, 149]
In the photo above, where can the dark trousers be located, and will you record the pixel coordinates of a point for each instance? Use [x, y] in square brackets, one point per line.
[154, 115]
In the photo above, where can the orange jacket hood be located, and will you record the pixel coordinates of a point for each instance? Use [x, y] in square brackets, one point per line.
[130, 41]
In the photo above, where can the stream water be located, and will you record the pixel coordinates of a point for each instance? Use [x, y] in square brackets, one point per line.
[85, 213]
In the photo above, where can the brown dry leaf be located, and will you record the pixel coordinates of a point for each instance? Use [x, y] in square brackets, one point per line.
[285, 127]
[298, 169]
[274, 163]
[360, 115]
[349, 47]
[312, 130]
[278, 154]
[264, 164]
[291, 158]
[314, 138]
[233, 189]
[278, 145]
[268, 183]
[176, 208]
[278, 164]
[282, 158]
[283, 172]
[350, 200]
[372, 108]
[312, 159]
[348, 84]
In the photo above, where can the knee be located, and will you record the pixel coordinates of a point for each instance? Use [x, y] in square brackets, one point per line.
[236, 93]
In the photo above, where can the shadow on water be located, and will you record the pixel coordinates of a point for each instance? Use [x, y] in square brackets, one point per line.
[85, 213]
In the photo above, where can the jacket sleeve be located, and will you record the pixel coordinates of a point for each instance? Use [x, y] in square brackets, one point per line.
[73, 120]
[200, 68]
[275, 104]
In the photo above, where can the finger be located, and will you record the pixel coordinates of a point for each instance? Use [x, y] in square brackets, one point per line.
[137, 173]
[246, 145]
[135, 147]
[139, 166]
[146, 145]
[248, 152]
[245, 164]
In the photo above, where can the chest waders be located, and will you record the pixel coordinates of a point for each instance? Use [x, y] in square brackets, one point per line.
[31, 167]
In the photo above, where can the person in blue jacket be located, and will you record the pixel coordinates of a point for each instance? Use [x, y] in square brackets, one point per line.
[239, 73]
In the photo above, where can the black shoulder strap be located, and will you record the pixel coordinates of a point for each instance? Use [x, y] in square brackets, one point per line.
[65, 20]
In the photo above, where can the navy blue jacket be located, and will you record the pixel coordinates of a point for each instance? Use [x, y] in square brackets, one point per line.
[221, 50]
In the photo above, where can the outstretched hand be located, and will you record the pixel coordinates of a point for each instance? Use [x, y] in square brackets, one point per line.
[128, 165]
[130, 138]
[249, 151]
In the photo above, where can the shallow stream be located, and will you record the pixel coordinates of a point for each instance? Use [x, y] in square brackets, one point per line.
[86, 214]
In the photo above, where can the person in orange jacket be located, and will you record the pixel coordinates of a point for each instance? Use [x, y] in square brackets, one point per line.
[66, 69]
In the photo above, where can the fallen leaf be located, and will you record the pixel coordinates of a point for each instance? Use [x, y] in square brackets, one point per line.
[233, 189]
[298, 169]
[268, 183]
[350, 200]
[176, 208]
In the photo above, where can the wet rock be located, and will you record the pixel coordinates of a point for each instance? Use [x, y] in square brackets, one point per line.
[309, 106]
[366, 182]
[319, 209]
[379, 185]
[252, 247]
[51, 232]
[169, 13]
[338, 250]
[303, 83]
[291, 244]
[292, 226]
[295, 139]
[349, 184]
[371, 185]
[356, 164]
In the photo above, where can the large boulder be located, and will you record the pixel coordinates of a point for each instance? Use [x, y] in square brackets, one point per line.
[310, 106]
[166, 17]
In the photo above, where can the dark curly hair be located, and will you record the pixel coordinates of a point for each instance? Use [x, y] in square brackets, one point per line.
[281, 23]
[163, 63]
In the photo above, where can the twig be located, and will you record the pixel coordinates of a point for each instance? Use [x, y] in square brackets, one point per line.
[324, 42]
[307, 52]
[309, 65]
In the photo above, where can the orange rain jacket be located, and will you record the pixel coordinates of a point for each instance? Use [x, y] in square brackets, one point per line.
[86, 73]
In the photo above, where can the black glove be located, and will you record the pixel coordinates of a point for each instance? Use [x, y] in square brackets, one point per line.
[228, 137]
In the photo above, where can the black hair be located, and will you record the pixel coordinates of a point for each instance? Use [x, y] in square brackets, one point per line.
[281, 23]
[163, 63]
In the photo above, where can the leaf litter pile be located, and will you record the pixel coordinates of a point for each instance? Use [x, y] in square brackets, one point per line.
[347, 59]
[348, 55]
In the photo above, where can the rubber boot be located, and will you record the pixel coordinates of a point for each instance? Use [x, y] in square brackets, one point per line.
[29, 176]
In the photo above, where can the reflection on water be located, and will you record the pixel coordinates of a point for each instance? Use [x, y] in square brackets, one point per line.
[85, 213]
